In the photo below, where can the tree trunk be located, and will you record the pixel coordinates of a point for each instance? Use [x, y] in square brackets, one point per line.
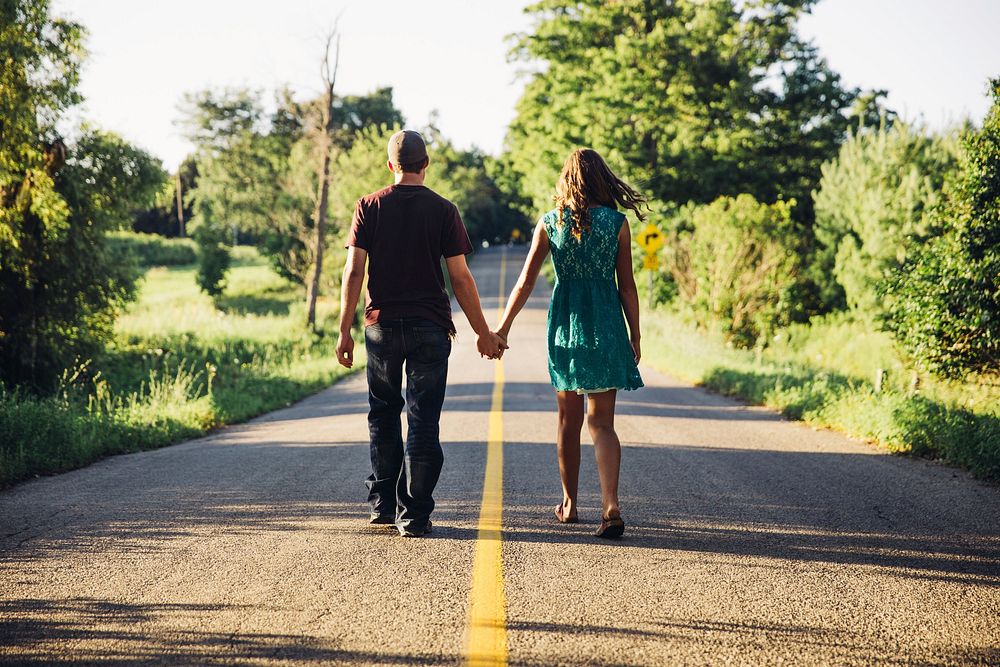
[180, 205]
[329, 75]
[319, 224]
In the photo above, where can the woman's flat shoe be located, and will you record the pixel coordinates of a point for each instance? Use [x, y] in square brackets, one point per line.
[611, 528]
[561, 519]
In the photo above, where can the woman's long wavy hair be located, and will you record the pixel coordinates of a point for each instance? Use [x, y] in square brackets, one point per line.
[586, 181]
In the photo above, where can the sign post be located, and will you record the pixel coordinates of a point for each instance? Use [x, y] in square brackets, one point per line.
[650, 239]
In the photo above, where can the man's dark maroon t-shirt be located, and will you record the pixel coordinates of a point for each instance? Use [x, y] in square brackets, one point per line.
[406, 230]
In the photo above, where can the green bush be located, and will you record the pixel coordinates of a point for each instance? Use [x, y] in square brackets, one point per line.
[944, 305]
[61, 287]
[842, 343]
[213, 258]
[946, 310]
[155, 250]
[874, 207]
[61, 284]
[735, 265]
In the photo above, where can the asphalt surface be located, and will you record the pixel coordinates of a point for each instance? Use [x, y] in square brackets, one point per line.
[751, 540]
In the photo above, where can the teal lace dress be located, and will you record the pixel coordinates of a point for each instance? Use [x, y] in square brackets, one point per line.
[588, 342]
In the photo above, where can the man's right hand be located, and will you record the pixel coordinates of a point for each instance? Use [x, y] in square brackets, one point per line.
[490, 345]
[345, 351]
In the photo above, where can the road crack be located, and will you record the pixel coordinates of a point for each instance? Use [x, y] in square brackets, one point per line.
[880, 514]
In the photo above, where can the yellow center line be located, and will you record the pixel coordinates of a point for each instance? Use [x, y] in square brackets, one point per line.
[486, 640]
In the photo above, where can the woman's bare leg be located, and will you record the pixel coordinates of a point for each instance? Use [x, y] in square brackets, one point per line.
[568, 447]
[607, 448]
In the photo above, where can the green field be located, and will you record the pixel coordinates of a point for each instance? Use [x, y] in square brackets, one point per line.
[180, 365]
[824, 374]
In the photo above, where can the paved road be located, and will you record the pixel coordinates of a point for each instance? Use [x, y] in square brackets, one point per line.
[752, 541]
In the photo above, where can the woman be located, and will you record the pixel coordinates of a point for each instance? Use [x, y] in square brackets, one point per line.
[590, 351]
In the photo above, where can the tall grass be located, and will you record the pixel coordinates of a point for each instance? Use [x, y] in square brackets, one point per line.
[180, 365]
[48, 435]
[824, 374]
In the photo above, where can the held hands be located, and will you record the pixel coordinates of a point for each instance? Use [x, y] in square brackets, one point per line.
[502, 335]
[491, 345]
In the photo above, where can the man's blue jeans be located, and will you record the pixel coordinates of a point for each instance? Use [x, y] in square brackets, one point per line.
[404, 476]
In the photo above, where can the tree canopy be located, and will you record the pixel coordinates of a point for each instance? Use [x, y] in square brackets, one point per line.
[875, 206]
[61, 282]
[689, 99]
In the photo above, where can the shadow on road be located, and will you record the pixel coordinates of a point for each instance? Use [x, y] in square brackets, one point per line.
[113, 633]
[799, 506]
[669, 402]
[796, 506]
[126, 634]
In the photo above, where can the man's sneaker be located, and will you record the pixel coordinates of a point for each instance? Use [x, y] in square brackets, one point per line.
[382, 520]
[413, 531]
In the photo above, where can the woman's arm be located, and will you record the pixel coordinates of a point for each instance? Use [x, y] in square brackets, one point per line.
[627, 291]
[526, 281]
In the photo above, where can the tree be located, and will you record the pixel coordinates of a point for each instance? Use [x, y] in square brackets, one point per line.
[324, 145]
[353, 113]
[213, 255]
[464, 177]
[258, 171]
[162, 217]
[283, 225]
[222, 126]
[287, 233]
[517, 212]
[61, 282]
[735, 266]
[39, 73]
[874, 208]
[689, 99]
[123, 179]
[944, 302]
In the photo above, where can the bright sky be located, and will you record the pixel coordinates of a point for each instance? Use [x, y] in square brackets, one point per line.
[450, 56]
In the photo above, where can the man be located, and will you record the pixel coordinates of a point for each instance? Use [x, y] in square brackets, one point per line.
[403, 231]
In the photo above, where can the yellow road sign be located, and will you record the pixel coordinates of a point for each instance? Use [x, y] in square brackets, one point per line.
[651, 238]
[651, 262]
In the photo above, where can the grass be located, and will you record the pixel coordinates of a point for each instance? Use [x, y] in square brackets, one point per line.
[824, 374]
[155, 250]
[180, 366]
